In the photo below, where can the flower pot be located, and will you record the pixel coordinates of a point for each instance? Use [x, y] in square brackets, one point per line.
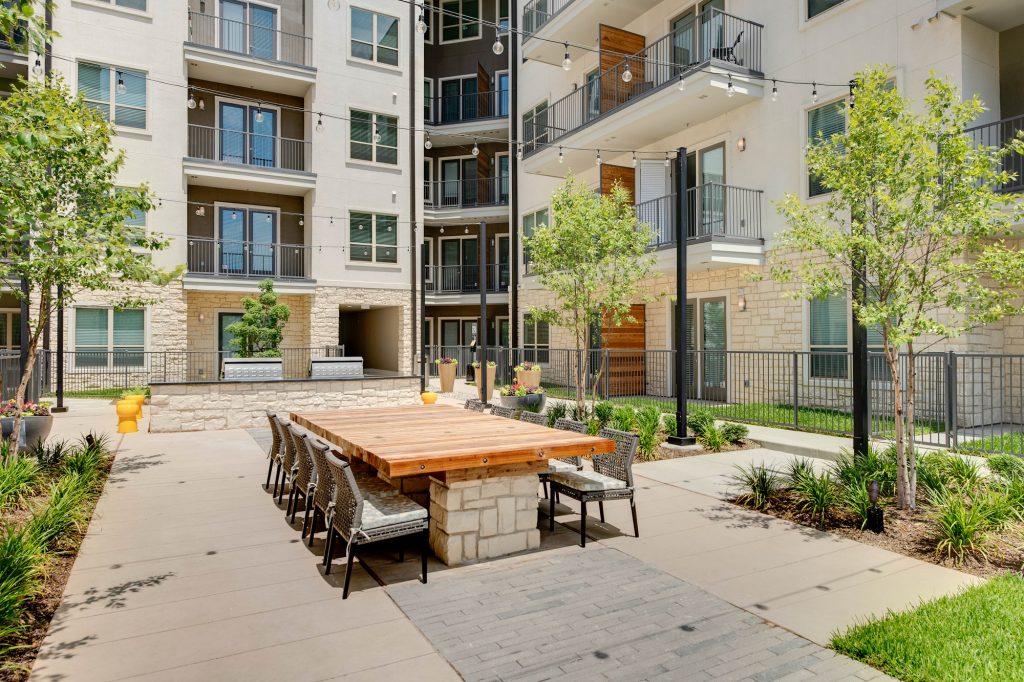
[490, 384]
[428, 397]
[127, 410]
[534, 401]
[34, 430]
[530, 378]
[447, 373]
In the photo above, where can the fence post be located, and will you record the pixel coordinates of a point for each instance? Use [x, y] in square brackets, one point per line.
[796, 389]
[951, 390]
[607, 371]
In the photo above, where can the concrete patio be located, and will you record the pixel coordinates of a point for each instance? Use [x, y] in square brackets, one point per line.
[189, 571]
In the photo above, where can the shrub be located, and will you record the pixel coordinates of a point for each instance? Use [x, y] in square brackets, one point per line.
[856, 499]
[1015, 495]
[759, 485]
[19, 477]
[997, 507]
[734, 433]
[1009, 467]
[580, 413]
[51, 455]
[818, 496]
[698, 419]
[712, 439]
[648, 426]
[20, 563]
[963, 528]
[555, 412]
[86, 463]
[593, 427]
[63, 510]
[799, 470]
[930, 476]
[624, 418]
[875, 465]
[671, 425]
[603, 412]
[963, 473]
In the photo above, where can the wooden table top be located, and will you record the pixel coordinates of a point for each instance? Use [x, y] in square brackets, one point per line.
[424, 439]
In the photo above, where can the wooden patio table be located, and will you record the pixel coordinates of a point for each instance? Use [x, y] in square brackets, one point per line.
[482, 469]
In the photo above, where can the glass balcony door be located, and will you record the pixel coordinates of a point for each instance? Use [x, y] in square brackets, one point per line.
[248, 135]
[247, 241]
[458, 182]
[248, 29]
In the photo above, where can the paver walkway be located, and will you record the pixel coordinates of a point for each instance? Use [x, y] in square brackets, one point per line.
[189, 572]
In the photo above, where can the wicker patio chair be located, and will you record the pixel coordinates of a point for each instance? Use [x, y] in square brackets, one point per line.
[611, 479]
[506, 412]
[475, 405]
[324, 489]
[534, 418]
[357, 517]
[289, 459]
[274, 454]
[279, 426]
[305, 478]
[562, 464]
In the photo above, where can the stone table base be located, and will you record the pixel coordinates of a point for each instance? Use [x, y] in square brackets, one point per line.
[483, 513]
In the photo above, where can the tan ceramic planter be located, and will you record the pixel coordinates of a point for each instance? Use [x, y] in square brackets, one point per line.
[529, 378]
[490, 383]
[447, 374]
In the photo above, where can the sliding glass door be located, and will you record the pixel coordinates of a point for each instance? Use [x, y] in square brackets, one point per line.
[247, 241]
[248, 135]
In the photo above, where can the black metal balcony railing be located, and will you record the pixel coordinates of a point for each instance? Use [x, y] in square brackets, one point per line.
[466, 193]
[997, 134]
[539, 12]
[714, 37]
[17, 41]
[253, 40]
[247, 149]
[715, 210]
[465, 279]
[476, 106]
[228, 258]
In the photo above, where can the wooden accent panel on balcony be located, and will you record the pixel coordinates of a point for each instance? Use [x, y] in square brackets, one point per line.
[627, 372]
[613, 43]
[624, 175]
[483, 88]
[483, 172]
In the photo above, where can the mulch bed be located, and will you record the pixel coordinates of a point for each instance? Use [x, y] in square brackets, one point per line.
[17, 665]
[697, 451]
[908, 533]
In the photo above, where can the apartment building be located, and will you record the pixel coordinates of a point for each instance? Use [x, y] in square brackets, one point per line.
[466, 171]
[279, 137]
[696, 79]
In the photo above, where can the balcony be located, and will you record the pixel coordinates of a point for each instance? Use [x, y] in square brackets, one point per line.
[236, 159]
[724, 224]
[997, 134]
[249, 55]
[13, 54]
[452, 117]
[466, 200]
[710, 57]
[573, 21]
[455, 280]
[222, 259]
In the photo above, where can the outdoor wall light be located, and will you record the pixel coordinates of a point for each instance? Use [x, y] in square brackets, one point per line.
[202, 317]
[741, 301]
[741, 144]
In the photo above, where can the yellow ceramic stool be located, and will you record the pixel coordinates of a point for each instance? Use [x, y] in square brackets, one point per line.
[139, 400]
[127, 412]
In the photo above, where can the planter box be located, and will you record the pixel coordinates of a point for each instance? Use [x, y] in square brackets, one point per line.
[253, 369]
[535, 401]
[447, 374]
[529, 378]
[490, 384]
[34, 430]
[336, 368]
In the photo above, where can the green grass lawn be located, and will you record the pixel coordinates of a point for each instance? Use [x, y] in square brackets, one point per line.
[972, 637]
[813, 418]
[1010, 443]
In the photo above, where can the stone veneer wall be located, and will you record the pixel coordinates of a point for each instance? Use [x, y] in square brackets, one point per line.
[324, 316]
[241, 405]
[202, 334]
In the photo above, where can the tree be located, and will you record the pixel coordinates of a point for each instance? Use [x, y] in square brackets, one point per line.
[23, 23]
[917, 202]
[593, 258]
[63, 219]
[260, 331]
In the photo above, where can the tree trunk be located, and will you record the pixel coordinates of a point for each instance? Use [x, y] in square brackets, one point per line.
[911, 452]
[902, 478]
[26, 375]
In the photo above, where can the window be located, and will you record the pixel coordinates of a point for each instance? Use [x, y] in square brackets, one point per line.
[374, 137]
[531, 221]
[10, 330]
[225, 339]
[428, 100]
[816, 7]
[374, 37]
[502, 78]
[502, 16]
[428, 181]
[822, 123]
[535, 126]
[460, 20]
[373, 238]
[109, 337]
[428, 259]
[830, 340]
[118, 94]
[248, 28]
[130, 4]
[459, 100]
[536, 340]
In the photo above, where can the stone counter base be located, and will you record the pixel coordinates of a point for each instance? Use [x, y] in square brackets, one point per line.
[484, 513]
[243, 404]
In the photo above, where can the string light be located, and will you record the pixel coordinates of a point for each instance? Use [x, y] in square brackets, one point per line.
[634, 159]
[853, 95]
[814, 93]
[567, 61]
[561, 155]
[599, 157]
[775, 91]
[421, 26]
[121, 87]
[259, 112]
[519, 151]
[682, 82]
[319, 123]
[627, 75]
[476, 149]
[427, 144]
[376, 134]
[497, 47]
[191, 99]
[667, 161]
[37, 68]
[729, 89]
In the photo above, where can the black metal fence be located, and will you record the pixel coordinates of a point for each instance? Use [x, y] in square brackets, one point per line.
[970, 402]
[10, 376]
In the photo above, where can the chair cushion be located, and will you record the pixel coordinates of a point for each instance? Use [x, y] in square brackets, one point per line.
[389, 510]
[587, 481]
[369, 484]
[557, 465]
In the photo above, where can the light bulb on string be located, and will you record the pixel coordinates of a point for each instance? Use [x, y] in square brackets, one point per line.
[234, 215]
[259, 113]
[334, 5]
[519, 151]
[814, 93]
[729, 89]
[561, 155]
[121, 87]
[376, 134]
[853, 95]
[466, 231]
[599, 157]
[191, 103]
[682, 83]
[421, 26]
[202, 105]
[476, 149]
[627, 75]
[427, 144]
[567, 61]
[37, 68]
[634, 159]
[668, 162]
[775, 91]
[497, 47]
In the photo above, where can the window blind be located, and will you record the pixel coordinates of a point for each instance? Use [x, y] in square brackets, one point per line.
[91, 328]
[822, 123]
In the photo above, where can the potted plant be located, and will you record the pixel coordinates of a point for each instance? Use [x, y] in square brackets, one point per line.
[519, 396]
[446, 368]
[528, 374]
[257, 337]
[491, 367]
[36, 422]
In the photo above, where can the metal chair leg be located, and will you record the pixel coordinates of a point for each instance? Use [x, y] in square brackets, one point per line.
[600, 506]
[348, 570]
[277, 479]
[305, 518]
[292, 494]
[295, 506]
[551, 513]
[284, 479]
[270, 470]
[583, 523]
[544, 483]
[312, 527]
[424, 550]
[328, 551]
[636, 527]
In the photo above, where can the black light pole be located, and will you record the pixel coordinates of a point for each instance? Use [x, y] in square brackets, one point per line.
[682, 232]
[60, 353]
[481, 378]
[859, 374]
[424, 342]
